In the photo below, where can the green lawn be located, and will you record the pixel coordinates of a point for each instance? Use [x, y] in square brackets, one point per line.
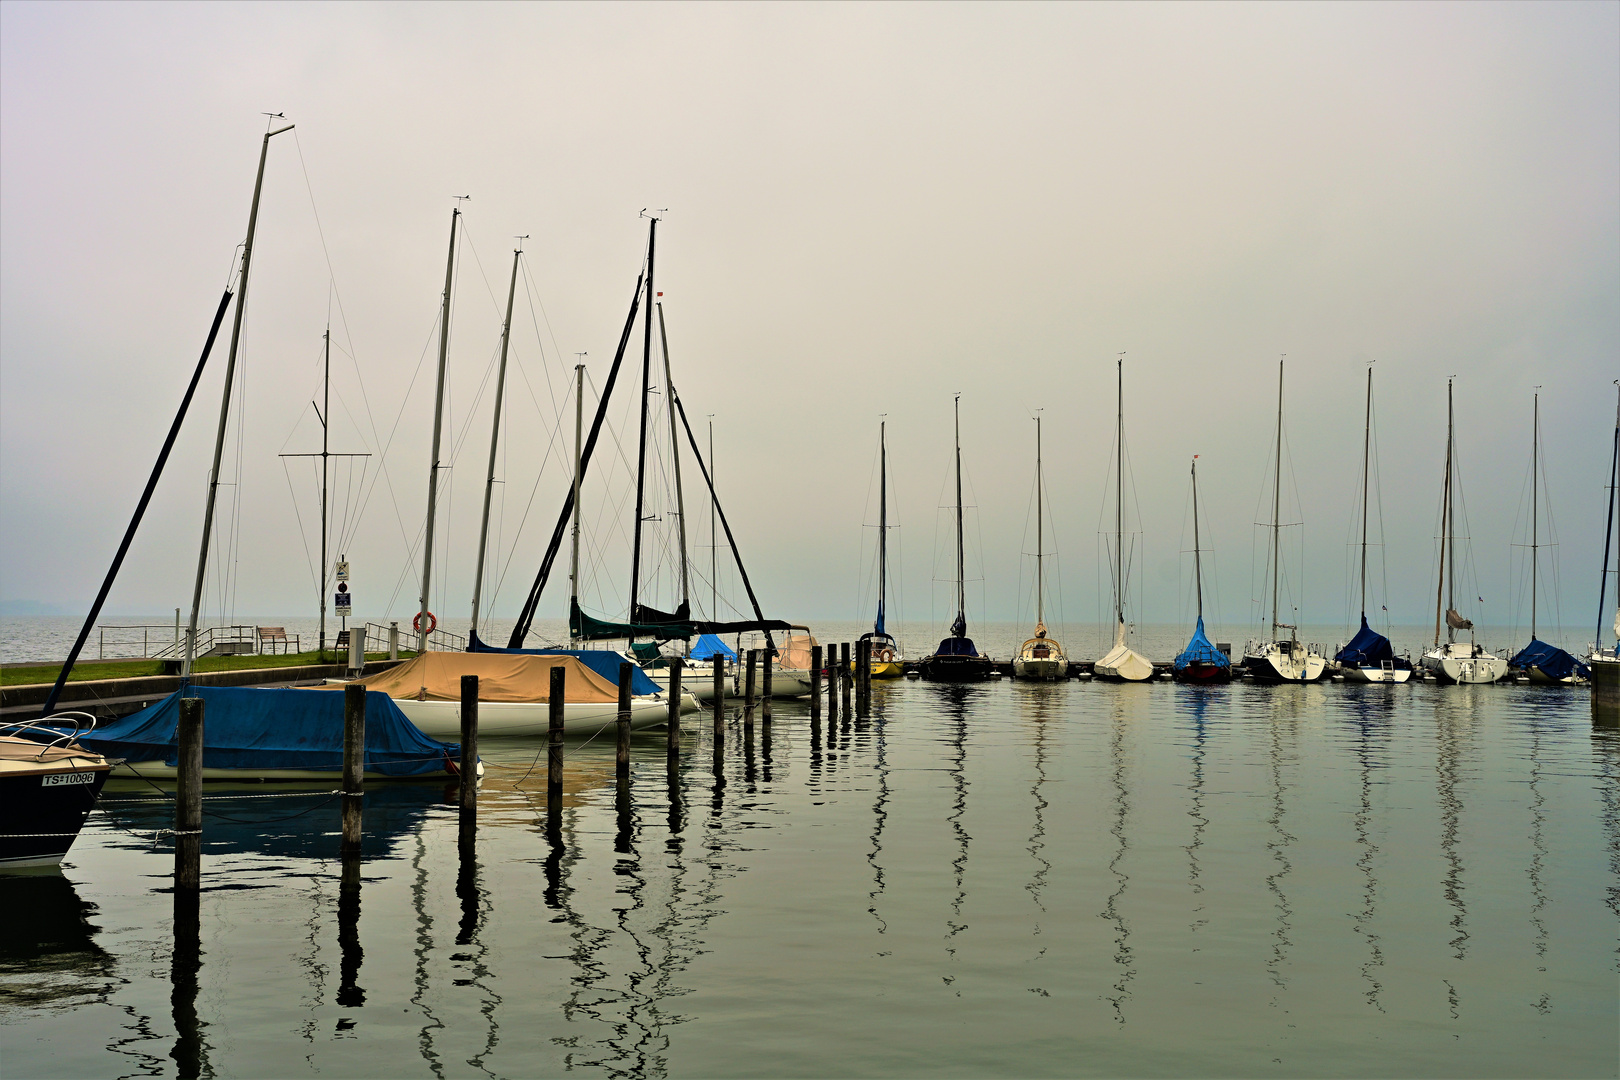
[19, 674]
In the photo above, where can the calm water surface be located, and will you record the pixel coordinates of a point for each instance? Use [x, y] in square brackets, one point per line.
[993, 880]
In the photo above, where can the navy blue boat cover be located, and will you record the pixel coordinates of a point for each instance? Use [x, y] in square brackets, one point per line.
[1368, 648]
[957, 646]
[1200, 651]
[1554, 662]
[257, 728]
[602, 661]
[708, 645]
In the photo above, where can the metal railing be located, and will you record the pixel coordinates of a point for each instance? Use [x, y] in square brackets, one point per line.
[162, 641]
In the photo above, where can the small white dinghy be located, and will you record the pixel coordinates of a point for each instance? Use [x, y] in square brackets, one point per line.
[513, 695]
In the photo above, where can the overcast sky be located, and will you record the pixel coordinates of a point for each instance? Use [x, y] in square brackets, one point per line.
[870, 208]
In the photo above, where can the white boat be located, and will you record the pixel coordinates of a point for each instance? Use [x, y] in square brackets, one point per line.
[1121, 663]
[1453, 661]
[1041, 656]
[513, 695]
[1278, 660]
[47, 789]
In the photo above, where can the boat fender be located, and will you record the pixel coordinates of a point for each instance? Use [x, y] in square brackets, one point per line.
[433, 622]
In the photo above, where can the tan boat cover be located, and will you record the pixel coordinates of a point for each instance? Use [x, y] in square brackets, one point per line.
[436, 676]
[794, 652]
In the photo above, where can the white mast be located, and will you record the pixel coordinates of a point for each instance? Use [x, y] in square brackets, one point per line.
[494, 442]
[423, 614]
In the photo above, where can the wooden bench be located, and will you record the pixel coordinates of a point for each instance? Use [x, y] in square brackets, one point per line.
[276, 635]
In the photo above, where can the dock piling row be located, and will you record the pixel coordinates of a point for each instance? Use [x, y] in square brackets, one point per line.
[188, 798]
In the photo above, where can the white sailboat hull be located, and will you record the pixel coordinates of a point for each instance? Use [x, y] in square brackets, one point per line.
[699, 682]
[1463, 662]
[442, 719]
[1284, 661]
[1040, 669]
[1355, 673]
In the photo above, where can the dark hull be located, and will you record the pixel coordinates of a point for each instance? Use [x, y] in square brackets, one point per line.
[955, 668]
[1203, 673]
[29, 808]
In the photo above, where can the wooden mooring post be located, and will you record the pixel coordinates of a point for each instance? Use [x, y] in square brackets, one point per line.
[674, 726]
[845, 678]
[467, 781]
[748, 692]
[719, 703]
[815, 683]
[832, 686]
[554, 755]
[188, 798]
[765, 686]
[863, 679]
[354, 762]
[621, 725]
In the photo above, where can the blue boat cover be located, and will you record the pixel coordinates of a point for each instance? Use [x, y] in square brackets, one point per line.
[602, 661]
[259, 728]
[1368, 648]
[957, 646]
[1554, 662]
[1200, 651]
[708, 645]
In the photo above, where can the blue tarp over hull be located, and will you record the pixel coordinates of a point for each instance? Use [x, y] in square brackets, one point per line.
[1201, 651]
[255, 728]
[1369, 648]
[602, 661]
[708, 645]
[1552, 661]
[957, 646]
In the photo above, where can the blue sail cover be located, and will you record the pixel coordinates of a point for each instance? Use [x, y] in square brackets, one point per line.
[957, 646]
[1553, 662]
[1201, 651]
[1368, 648]
[707, 645]
[257, 728]
[602, 661]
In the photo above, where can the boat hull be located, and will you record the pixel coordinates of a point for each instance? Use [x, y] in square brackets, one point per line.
[161, 770]
[888, 669]
[1541, 678]
[955, 668]
[43, 809]
[442, 719]
[1358, 674]
[1462, 664]
[1047, 668]
[1204, 674]
[1605, 680]
[1285, 662]
[1123, 664]
[699, 682]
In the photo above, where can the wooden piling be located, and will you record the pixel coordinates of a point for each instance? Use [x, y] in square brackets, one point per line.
[554, 755]
[674, 725]
[467, 781]
[621, 727]
[188, 798]
[832, 684]
[815, 682]
[748, 692]
[863, 679]
[765, 686]
[354, 762]
[845, 678]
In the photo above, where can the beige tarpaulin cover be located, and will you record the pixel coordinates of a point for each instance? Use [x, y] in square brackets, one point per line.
[436, 676]
[794, 652]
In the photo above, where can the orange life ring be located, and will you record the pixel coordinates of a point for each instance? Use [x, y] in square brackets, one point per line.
[886, 655]
[433, 622]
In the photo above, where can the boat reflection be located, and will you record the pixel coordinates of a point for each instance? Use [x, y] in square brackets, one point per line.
[1192, 700]
[48, 954]
[1128, 704]
[1371, 711]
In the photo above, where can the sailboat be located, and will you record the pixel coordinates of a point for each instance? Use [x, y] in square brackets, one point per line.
[1454, 661]
[1369, 657]
[1121, 663]
[1042, 656]
[1278, 661]
[1200, 661]
[1541, 662]
[886, 659]
[1605, 660]
[957, 659]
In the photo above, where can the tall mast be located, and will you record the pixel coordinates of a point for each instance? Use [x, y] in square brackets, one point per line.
[961, 588]
[1608, 533]
[1535, 440]
[494, 441]
[1198, 564]
[1445, 523]
[1040, 562]
[1276, 504]
[675, 452]
[641, 444]
[1451, 515]
[714, 549]
[579, 430]
[224, 411]
[1366, 460]
[883, 523]
[438, 430]
[1119, 497]
[326, 411]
